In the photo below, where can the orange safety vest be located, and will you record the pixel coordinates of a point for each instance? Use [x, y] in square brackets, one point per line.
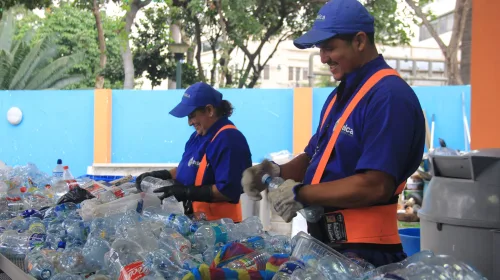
[215, 210]
[375, 224]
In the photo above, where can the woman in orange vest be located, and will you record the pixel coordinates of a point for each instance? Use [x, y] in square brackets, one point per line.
[369, 141]
[208, 177]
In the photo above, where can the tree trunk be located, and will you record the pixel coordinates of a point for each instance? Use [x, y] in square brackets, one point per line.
[225, 48]
[128, 62]
[99, 80]
[465, 49]
[197, 28]
[450, 52]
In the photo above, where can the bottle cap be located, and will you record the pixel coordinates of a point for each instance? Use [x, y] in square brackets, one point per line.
[59, 161]
[65, 167]
[23, 189]
[265, 177]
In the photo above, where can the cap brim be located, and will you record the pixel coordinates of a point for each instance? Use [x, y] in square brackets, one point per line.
[182, 110]
[312, 37]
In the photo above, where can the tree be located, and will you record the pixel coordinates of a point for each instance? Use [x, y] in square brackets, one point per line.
[465, 49]
[96, 11]
[75, 32]
[151, 50]
[450, 51]
[32, 66]
[267, 23]
[28, 4]
[128, 63]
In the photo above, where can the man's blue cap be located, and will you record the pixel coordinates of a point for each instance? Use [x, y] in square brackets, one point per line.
[334, 18]
[196, 96]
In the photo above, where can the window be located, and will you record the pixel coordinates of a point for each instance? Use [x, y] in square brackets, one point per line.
[266, 72]
[290, 73]
[305, 74]
[442, 25]
[297, 73]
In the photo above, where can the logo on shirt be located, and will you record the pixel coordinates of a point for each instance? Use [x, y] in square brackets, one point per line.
[347, 130]
[193, 162]
[320, 17]
[187, 95]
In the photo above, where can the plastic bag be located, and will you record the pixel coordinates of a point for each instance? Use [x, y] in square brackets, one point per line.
[75, 195]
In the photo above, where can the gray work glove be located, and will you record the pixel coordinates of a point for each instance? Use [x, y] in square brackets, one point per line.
[283, 200]
[252, 178]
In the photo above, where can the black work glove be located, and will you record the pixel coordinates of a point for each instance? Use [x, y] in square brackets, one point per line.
[186, 193]
[160, 174]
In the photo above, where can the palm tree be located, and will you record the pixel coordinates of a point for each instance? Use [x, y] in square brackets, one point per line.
[28, 66]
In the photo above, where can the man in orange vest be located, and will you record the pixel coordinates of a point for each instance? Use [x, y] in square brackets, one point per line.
[369, 141]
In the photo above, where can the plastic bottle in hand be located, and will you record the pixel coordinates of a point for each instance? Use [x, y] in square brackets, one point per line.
[312, 213]
[149, 184]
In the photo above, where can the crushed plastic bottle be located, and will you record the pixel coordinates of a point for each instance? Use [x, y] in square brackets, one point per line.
[312, 213]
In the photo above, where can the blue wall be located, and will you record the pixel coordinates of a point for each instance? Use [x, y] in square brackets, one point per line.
[144, 132]
[56, 124]
[444, 102]
[59, 124]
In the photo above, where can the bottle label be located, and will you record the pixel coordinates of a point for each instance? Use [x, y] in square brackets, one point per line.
[246, 263]
[71, 184]
[220, 234]
[36, 240]
[133, 271]
[95, 189]
[57, 174]
[37, 227]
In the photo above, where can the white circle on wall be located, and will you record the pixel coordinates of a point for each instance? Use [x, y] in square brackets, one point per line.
[14, 116]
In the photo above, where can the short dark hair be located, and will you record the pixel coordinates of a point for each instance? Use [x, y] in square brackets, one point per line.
[350, 37]
[225, 109]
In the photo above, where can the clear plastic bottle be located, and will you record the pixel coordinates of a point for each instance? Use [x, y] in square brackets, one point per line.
[312, 213]
[254, 261]
[58, 171]
[172, 238]
[67, 174]
[149, 184]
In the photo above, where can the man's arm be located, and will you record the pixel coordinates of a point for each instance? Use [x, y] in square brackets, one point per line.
[296, 168]
[360, 190]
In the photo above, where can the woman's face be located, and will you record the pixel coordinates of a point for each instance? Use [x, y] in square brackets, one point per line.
[202, 119]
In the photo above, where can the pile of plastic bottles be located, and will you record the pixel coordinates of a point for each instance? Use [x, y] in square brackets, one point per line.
[66, 228]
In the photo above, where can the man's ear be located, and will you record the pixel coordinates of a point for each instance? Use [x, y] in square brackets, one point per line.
[361, 41]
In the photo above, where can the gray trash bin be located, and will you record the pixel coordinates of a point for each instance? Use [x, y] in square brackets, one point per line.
[460, 215]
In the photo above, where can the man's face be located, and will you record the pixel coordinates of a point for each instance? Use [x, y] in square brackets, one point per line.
[342, 56]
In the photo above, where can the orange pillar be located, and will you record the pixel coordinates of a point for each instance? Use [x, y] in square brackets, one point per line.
[302, 118]
[103, 103]
[485, 88]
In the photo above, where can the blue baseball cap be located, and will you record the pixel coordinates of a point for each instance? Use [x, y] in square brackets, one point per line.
[334, 18]
[196, 96]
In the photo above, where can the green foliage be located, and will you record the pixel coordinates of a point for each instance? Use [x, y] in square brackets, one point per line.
[28, 4]
[28, 64]
[75, 32]
[269, 22]
[151, 50]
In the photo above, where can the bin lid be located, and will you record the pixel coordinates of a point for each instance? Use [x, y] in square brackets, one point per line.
[464, 190]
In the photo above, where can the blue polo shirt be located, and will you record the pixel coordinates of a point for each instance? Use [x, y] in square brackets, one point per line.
[385, 132]
[227, 156]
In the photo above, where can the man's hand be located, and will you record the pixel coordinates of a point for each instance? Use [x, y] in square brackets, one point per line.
[283, 200]
[160, 174]
[252, 178]
[185, 193]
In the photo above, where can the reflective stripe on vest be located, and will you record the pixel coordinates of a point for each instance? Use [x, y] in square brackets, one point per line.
[376, 224]
[215, 210]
